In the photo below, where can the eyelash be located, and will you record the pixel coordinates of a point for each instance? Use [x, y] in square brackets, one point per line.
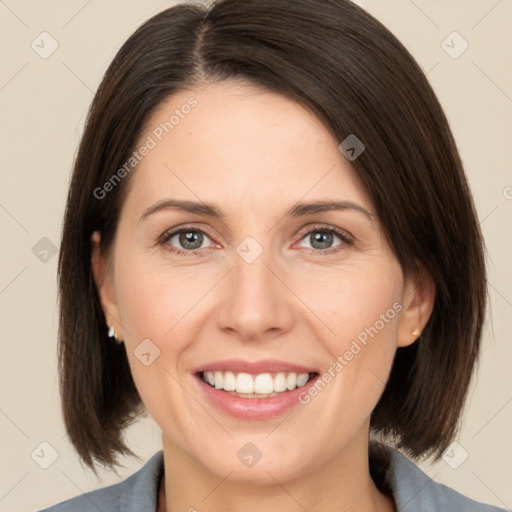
[345, 238]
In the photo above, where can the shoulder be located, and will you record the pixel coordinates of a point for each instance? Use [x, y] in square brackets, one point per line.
[415, 491]
[136, 493]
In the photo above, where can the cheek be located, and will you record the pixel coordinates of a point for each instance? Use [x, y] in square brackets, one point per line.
[358, 302]
[367, 317]
[159, 308]
[153, 309]
[153, 301]
[361, 309]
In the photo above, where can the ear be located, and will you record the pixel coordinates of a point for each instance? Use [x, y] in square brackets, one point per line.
[104, 284]
[417, 306]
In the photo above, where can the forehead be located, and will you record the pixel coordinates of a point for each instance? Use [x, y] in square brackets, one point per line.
[236, 142]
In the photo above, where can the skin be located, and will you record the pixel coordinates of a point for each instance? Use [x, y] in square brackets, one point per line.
[255, 154]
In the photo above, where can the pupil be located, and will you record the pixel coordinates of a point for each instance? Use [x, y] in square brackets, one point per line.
[318, 238]
[188, 238]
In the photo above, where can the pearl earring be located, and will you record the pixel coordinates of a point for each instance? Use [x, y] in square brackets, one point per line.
[112, 334]
[416, 332]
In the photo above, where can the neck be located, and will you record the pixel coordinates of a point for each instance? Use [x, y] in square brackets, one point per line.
[342, 483]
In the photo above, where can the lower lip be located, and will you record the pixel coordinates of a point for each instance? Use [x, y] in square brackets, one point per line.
[253, 408]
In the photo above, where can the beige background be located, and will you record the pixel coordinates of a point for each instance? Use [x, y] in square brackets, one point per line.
[43, 106]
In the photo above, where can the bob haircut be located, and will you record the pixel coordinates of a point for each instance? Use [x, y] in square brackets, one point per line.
[335, 59]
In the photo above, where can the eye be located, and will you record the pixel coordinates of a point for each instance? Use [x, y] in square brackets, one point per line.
[321, 239]
[189, 240]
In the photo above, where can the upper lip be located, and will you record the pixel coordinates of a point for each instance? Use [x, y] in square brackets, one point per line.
[253, 367]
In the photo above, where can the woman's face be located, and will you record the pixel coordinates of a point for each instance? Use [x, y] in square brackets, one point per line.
[264, 287]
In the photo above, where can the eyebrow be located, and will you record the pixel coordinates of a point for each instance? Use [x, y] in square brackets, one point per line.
[297, 210]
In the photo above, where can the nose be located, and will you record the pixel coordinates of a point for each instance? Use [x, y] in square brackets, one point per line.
[257, 303]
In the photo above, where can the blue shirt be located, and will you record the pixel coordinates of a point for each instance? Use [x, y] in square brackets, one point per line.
[413, 490]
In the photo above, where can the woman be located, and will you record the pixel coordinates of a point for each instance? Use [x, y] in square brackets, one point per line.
[270, 246]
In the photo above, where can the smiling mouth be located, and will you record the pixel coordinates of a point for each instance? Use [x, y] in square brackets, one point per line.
[262, 385]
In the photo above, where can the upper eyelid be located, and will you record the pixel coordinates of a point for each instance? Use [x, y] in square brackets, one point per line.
[174, 231]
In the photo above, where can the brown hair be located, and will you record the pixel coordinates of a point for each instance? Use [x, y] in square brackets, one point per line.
[357, 78]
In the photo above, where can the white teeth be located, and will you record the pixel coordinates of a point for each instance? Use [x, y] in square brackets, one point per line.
[302, 379]
[261, 385]
[291, 381]
[219, 380]
[210, 378]
[244, 383]
[229, 381]
[280, 382]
